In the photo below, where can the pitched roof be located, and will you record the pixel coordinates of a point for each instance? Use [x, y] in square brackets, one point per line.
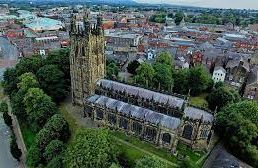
[195, 113]
[136, 111]
[143, 93]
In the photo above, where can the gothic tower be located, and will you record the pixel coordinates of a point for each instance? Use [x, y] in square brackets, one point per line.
[87, 59]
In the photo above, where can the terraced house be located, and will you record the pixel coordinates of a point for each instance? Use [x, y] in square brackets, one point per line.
[162, 119]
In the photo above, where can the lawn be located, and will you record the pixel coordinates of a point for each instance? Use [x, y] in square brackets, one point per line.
[28, 134]
[200, 100]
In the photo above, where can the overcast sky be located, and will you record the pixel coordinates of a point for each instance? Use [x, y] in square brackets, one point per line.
[240, 4]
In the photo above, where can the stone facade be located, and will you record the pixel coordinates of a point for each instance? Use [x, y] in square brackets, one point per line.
[87, 59]
[162, 119]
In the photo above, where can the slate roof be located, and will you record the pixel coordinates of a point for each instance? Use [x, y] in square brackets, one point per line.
[136, 111]
[143, 93]
[195, 113]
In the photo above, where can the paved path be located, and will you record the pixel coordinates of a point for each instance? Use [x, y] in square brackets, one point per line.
[18, 134]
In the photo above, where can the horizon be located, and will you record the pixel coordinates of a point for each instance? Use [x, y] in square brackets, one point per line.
[225, 4]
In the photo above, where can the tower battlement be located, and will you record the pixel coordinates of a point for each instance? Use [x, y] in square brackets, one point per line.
[87, 59]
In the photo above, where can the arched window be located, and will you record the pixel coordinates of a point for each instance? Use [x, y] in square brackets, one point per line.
[188, 131]
[123, 123]
[112, 119]
[99, 114]
[150, 134]
[166, 138]
[204, 133]
[137, 128]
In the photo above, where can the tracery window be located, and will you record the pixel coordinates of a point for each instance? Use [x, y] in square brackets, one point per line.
[188, 131]
[112, 119]
[123, 123]
[166, 138]
[150, 133]
[204, 133]
[99, 114]
[137, 128]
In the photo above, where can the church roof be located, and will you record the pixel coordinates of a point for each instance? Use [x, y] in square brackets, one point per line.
[143, 93]
[195, 113]
[136, 111]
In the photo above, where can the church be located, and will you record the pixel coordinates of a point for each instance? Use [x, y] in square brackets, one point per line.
[155, 117]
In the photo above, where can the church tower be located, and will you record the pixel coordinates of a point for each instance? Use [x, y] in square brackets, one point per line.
[87, 59]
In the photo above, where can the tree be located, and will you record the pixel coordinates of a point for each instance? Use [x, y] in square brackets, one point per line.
[90, 149]
[3, 107]
[39, 107]
[144, 74]
[14, 149]
[222, 96]
[10, 81]
[56, 162]
[53, 149]
[132, 66]
[115, 166]
[33, 157]
[163, 77]
[198, 80]
[181, 84]
[43, 138]
[165, 58]
[59, 127]
[52, 81]
[178, 17]
[26, 81]
[112, 71]
[149, 162]
[29, 64]
[237, 125]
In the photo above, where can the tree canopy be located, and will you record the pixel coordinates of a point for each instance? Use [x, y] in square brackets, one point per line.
[237, 125]
[144, 74]
[39, 107]
[149, 162]
[90, 149]
[132, 66]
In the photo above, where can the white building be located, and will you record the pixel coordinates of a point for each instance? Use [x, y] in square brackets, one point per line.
[219, 74]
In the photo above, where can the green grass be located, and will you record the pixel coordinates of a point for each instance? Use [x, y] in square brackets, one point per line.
[28, 135]
[186, 151]
[200, 100]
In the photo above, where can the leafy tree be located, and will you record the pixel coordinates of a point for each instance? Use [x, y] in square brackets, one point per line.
[198, 80]
[165, 58]
[56, 162]
[132, 66]
[115, 166]
[10, 81]
[144, 74]
[34, 156]
[43, 138]
[181, 85]
[26, 81]
[52, 81]
[29, 64]
[90, 149]
[163, 76]
[221, 97]
[3, 107]
[237, 125]
[53, 149]
[149, 162]
[178, 17]
[59, 127]
[39, 107]
[112, 71]
[14, 149]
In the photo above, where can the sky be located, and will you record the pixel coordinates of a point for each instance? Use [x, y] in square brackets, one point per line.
[238, 4]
